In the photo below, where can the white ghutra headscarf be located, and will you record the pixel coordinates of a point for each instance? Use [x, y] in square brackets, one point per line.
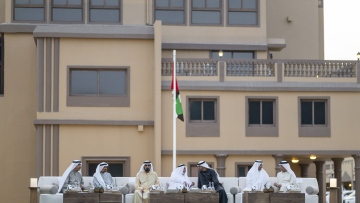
[146, 162]
[255, 177]
[286, 165]
[97, 173]
[178, 174]
[66, 173]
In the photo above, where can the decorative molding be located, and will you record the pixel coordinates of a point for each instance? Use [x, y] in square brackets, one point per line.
[337, 153]
[17, 28]
[215, 46]
[91, 122]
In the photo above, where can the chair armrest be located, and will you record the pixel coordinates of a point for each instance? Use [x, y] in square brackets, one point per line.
[124, 190]
[48, 189]
[311, 190]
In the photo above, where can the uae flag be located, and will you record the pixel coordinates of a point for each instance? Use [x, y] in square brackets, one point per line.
[179, 110]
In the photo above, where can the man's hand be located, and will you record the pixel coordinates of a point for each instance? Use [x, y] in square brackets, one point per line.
[192, 184]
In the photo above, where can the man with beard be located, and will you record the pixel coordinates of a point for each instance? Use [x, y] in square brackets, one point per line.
[145, 178]
[207, 175]
[286, 178]
[179, 178]
[71, 176]
[102, 179]
[257, 178]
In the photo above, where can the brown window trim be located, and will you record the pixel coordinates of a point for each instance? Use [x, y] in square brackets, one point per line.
[65, 7]
[191, 164]
[237, 164]
[109, 159]
[14, 5]
[256, 10]
[120, 8]
[207, 9]
[170, 8]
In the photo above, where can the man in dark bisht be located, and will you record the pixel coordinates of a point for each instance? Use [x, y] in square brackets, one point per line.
[207, 175]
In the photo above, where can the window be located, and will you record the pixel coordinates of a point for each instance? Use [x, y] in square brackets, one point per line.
[234, 54]
[243, 12]
[29, 10]
[101, 11]
[118, 166]
[261, 116]
[170, 12]
[98, 86]
[206, 12]
[202, 116]
[194, 169]
[314, 116]
[67, 11]
[1, 64]
[242, 169]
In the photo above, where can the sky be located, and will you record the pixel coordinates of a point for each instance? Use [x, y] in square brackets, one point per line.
[342, 29]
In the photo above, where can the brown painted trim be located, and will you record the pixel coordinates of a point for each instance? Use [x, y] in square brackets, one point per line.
[125, 159]
[48, 79]
[345, 153]
[56, 75]
[40, 75]
[241, 164]
[17, 28]
[47, 149]
[95, 31]
[55, 152]
[256, 86]
[212, 46]
[39, 150]
[92, 122]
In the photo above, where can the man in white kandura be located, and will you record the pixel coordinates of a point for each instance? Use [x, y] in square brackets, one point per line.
[179, 178]
[72, 176]
[145, 178]
[102, 179]
[286, 178]
[257, 178]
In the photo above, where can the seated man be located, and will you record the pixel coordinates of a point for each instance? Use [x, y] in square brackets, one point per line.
[207, 175]
[179, 178]
[102, 179]
[145, 178]
[286, 178]
[257, 178]
[71, 176]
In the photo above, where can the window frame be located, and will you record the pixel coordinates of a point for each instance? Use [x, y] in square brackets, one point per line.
[257, 10]
[120, 8]
[203, 128]
[2, 54]
[221, 9]
[14, 6]
[267, 130]
[98, 100]
[194, 164]
[216, 53]
[52, 6]
[315, 130]
[109, 159]
[245, 164]
[170, 8]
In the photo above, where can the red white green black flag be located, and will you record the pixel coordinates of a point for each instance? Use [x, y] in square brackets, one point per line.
[178, 108]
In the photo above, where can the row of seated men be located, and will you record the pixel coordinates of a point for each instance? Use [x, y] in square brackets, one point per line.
[256, 179]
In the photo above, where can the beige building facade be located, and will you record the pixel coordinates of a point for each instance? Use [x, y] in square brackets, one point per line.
[90, 80]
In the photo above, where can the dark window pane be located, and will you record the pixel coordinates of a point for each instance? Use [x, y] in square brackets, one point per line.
[205, 17]
[112, 3]
[319, 113]
[243, 55]
[162, 3]
[177, 3]
[22, 1]
[242, 18]
[175, 17]
[104, 15]
[74, 2]
[92, 168]
[116, 169]
[235, 4]
[67, 15]
[213, 3]
[267, 112]
[209, 110]
[249, 3]
[254, 112]
[306, 113]
[112, 82]
[83, 82]
[241, 171]
[37, 2]
[29, 14]
[97, 2]
[59, 2]
[195, 110]
[198, 3]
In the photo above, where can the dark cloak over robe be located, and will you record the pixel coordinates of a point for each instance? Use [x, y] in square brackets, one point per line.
[204, 177]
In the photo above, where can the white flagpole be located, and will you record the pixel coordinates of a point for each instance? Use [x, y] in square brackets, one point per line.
[174, 110]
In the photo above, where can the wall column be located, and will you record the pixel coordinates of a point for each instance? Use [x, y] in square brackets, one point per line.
[278, 158]
[320, 176]
[338, 175]
[304, 170]
[357, 176]
[220, 158]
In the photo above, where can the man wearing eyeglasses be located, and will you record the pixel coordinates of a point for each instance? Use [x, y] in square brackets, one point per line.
[145, 178]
